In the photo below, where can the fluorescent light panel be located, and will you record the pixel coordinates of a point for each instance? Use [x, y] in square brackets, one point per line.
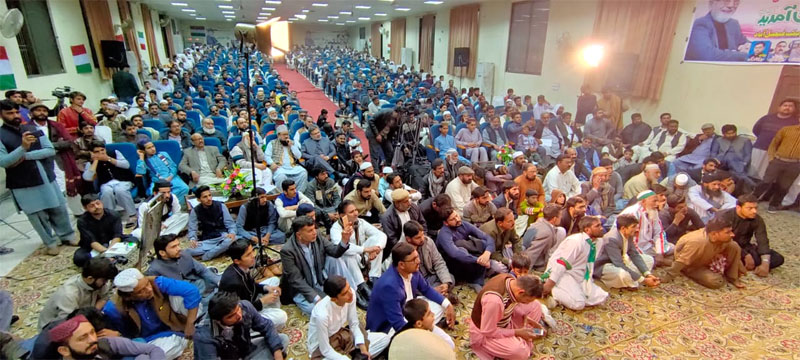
[200, 18]
[332, 17]
[225, 6]
[402, 9]
[274, 2]
[229, 12]
[320, 4]
[346, 12]
[434, 2]
[363, 7]
[323, 20]
[188, 10]
[363, 18]
[339, 24]
[180, 4]
[350, 21]
[300, 16]
[305, 11]
[380, 14]
[268, 8]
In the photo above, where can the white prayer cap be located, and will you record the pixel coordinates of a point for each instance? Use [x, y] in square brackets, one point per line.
[652, 167]
[447, 112]
[387, 170]
[354, 142]
[463, 96]
[365, 165]
[681, 179]
[272, 110]
[645, 194]
[451, 151]
[517, 154]
[127, 279]
[281, 129]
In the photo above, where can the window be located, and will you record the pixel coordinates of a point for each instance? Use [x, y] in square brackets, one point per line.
[362, 33]
[526, 37]
[36, 40]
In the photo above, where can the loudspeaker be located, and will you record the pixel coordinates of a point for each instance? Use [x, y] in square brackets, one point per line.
[461, 57]
[622, 69]
[114, 53]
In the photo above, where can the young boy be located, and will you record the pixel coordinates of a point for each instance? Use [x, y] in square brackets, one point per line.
[520, 265]
[419, 316]
[531, 206]
[627, 159]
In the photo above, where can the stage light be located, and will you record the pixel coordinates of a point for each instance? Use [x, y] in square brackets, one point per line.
[592, 55]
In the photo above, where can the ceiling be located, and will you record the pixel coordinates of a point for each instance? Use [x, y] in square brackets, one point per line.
[249, 11]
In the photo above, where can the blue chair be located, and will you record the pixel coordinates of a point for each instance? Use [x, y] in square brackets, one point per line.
[127, 150]
[484, 126]
[387, 106]
[294, 127]
[438, 118]
[499, 110]
[270, 138]
[171, 147]
[144, 132]
[212, 141]
[459, 127]
[267, 127]
[158, 125]
[293, 117]
[220, 121]
[305, 136]
[233, 141]
[195, 115]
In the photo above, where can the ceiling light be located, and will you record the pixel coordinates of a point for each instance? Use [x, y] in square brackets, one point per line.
[333, 17]
[229, 16]
[320, 4]
[192, 14]
[305, 10]
[380, 14]
[229, 12]
[402, 9]
[339, 24]
[275, 2]
[434, 2]
[188, 10]
[300, 16]
[225, 6]
[200, 18]
[363, 18]
[228, 19]
[180, 4]
[346, 12]
[350, 21]
[292, 18]
[323, 20]
[363, 7]
[268, 8]
[264, 14]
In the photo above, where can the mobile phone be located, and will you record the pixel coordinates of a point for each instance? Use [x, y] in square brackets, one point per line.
[538, 331]
[38, 133]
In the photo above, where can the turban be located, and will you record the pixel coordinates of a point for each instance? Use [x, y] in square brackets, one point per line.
[64, 330]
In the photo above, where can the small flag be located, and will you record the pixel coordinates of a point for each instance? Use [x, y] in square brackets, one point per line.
[81, 59]
[119, 38]
[142, 42]
[6, 73]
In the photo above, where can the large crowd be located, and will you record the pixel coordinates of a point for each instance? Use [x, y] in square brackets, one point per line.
[527, 203]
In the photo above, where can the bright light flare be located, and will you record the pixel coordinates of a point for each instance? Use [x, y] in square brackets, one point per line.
[592, 55]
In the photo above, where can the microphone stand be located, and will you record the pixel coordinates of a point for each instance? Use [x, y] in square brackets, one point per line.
[262, 260]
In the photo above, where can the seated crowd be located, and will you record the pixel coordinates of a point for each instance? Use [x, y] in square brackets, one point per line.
[582, 206]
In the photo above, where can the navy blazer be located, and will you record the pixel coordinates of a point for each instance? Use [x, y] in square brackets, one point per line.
[388, 297]
[704, 46]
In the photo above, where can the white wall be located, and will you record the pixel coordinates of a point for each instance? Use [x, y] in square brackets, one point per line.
[357, 43]
[223, 31]
[68, 33]
[323, 33]
[412, 38]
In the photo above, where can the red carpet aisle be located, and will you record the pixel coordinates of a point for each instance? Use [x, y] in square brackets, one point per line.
[314, 99]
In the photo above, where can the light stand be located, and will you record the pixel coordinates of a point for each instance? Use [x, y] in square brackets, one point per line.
[262, 259]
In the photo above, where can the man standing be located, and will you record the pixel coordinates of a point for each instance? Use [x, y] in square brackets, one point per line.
[733, 152]
[328, 334]
[364, 253]
[765, 130]
[203, 164]
[708, 198]
[746, 225]
[784, 166]
[282, 156]
[99, 229]
[613, 107]
[71, 117]
[569, 271]
[27, 157]
[708, 256]
[90, 288]
[502, 322]
[620, 264]
[215, 226]
[227, 332]
[506, 240]
[62, 142]
[125, 86]
[460, 189]
[562, 178]
[466, 249]
[115, 179]
[396, 216]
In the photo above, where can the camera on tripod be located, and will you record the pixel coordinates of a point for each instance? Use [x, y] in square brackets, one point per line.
[62, 92]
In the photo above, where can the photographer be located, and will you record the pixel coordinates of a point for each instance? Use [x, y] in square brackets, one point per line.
[381, 133]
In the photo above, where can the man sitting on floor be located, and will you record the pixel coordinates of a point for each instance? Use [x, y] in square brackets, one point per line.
[504, 317]
[569, 270]
[466, 249]
[574, 211]
[620, 264]
[215, 226]
[287, 203]
[175, 264]
[157, 309]
[708, 198]
[642, 181]
[651, 238]
[480, 209]
[399, 284]
[91, 287]
[677, 219]
[237, 278]
[432, 266]
[99, 229]
[173, 221]
[506, 240]
[328, 334]
[267, 220]
[708, 256]
[203, 164]
[226, 333]
[396, 216]
[747, 224]
[543, 237]
[367, 202]
[308, 259]
[460, 188]
[323, 192]
[76, 339]
[365, 250]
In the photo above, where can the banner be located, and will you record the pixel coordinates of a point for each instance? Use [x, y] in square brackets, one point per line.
[745, 32]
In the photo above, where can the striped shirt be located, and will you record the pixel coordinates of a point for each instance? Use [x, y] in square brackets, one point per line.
[786, 144]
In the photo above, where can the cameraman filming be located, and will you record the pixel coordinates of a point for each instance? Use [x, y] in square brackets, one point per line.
[381, 132]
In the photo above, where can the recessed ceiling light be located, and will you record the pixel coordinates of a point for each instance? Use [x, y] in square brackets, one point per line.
[180, 4]
[229, 16]
[264, 14]
[350, 21]
[402, 9]
[346, 12]
[200, 18]
[363, 7]
[292, 19]
[300, 16]
[192, 14]
[363, 18]
[380, 14]
[320, 4]
[276, 2]
[228, 12]
[333, 17]
[339, 23]
[323, 20]
[434, 2]
[228, 19]
[305, 10]
[188, 10]
[268, 8]
[225, 6]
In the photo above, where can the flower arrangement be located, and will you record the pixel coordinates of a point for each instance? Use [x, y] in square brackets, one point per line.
[236, 183]
[505, 154]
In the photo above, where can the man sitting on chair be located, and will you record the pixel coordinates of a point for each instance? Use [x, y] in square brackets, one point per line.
[173, 221]
[282, 156]
[203, 164]
[318, 151]
[241, 155]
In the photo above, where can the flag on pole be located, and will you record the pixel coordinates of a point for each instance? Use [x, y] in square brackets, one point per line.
[81, 59]
[6, 73]
[142, 42]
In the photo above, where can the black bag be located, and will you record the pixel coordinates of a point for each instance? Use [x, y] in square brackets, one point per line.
[414, 175]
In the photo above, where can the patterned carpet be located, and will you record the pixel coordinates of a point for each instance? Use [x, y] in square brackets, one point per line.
[680, 320]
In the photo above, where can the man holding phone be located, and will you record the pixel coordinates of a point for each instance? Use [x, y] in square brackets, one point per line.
[27, 156]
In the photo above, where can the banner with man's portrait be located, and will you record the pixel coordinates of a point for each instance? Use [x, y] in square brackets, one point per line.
[745, 32]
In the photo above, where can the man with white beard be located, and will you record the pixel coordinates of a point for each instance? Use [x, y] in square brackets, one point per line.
[708, 198]
[241, 155]
[208, 130]
[283, 157]
[716, 36]
[273, 117]
[652, 239]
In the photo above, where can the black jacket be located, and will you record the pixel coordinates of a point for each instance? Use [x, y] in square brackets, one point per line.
[393, 228]
[243, 284]
[297, 272]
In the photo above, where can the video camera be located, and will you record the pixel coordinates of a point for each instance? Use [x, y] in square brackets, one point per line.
[62, 92]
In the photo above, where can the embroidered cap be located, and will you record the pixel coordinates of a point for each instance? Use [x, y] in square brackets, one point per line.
[645, 194]
[127, 280]
[64, 330]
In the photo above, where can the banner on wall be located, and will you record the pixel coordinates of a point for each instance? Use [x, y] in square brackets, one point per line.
[745, 32]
